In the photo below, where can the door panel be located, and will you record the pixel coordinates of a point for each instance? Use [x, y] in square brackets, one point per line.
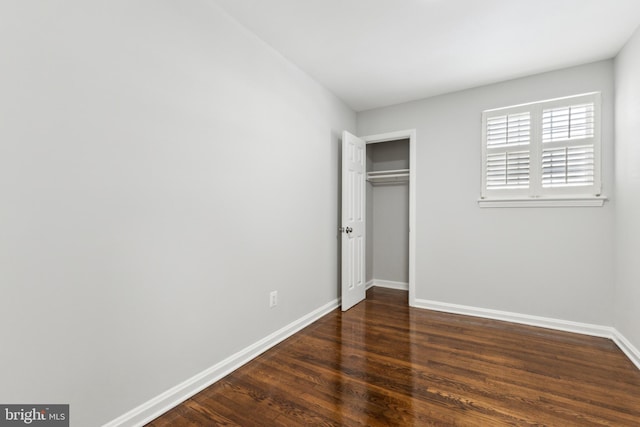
[353, 220]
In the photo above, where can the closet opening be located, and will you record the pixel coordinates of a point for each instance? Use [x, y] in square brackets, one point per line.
[388, 213]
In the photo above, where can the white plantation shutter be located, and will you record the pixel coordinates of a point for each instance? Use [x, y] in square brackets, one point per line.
[542, 149]
[507, 157]
[510, 129]
[508, 170]
[568, 123]
[568, 166]
[564, 162]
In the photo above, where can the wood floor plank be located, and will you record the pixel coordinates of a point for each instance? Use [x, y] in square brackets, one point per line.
[383, 363]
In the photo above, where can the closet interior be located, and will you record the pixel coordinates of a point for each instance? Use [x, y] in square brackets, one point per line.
[387, 220]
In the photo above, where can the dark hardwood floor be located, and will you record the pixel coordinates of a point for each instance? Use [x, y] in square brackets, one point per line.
[383, 364]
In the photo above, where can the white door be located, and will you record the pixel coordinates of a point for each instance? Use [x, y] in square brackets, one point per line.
[353, 217]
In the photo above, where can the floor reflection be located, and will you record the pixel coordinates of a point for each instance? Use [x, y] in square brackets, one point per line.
[369, 387]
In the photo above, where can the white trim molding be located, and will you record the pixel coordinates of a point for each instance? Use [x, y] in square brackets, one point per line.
[627, 348]
[543, 322]
[524, 319]
[542, 202]
[389, 284]
[160, 404]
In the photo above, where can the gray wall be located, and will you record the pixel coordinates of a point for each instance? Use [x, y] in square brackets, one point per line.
[161, 170]
[390, 155]
[627, 301]
[390, 214]
[391, 232]
[494, 258]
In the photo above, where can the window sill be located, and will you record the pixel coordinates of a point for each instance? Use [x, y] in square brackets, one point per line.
[542, 202]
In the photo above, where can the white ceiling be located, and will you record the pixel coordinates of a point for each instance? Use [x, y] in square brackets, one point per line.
[373, 53]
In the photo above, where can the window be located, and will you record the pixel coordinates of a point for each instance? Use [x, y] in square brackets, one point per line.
[543, 151]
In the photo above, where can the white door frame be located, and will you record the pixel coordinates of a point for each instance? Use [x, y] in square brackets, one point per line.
[411, 135]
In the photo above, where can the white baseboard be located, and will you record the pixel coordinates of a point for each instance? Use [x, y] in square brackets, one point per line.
[627, 348]
[404, 286]
[525, 319]
[369, 284]
[544, 322]
[181, 392]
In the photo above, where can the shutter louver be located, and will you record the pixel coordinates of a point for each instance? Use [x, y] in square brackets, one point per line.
[511, 129]
[508, 170]
[568, 166]
[568, 123]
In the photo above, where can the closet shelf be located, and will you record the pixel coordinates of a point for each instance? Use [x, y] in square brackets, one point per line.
[388, 177]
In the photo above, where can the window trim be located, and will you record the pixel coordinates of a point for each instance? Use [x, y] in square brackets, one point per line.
[543, 202]
[535, 194]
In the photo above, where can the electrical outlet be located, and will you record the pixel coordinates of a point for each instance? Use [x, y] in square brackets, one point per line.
[273, 298]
